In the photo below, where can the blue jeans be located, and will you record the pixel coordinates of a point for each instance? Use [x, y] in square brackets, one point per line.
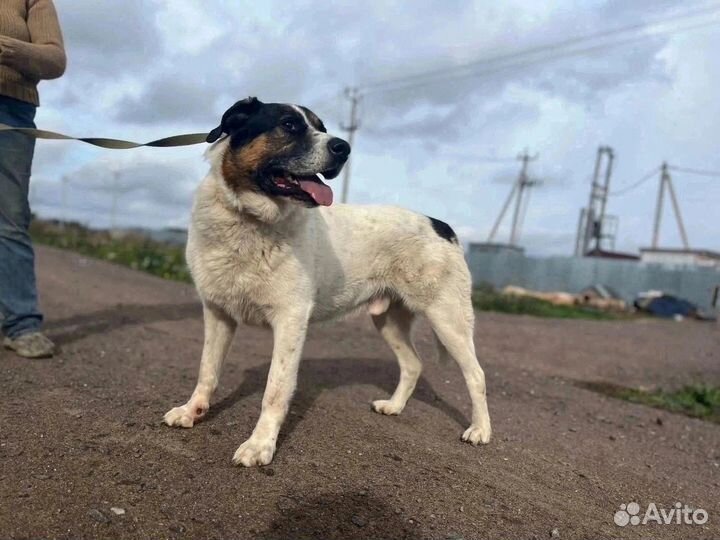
[18, 294]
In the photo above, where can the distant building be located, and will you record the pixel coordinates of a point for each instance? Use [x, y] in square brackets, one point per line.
[605, 254]
[495, 248]
[681, 257]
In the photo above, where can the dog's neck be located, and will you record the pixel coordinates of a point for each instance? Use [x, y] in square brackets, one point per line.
[240, 196]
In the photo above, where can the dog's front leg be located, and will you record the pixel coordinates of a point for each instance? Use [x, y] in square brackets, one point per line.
[219, 331]
[288, 337]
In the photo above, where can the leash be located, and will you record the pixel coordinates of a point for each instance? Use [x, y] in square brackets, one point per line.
[114, 144]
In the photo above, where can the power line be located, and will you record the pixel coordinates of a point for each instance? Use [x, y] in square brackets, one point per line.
[466, 73]
[419, 79]
[640, 182]
[651, 173]
[488, 159]
[540, 48]
[525, 57]
[470, 157]
[694, 171]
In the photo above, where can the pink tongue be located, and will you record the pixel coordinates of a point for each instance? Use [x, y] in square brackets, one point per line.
[321, 193]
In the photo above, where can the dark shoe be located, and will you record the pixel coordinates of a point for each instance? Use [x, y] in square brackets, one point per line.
[31, 345]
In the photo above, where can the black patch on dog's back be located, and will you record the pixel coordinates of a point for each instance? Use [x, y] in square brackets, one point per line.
[443, 230]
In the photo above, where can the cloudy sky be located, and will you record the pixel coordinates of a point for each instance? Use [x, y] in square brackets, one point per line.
[144, 69]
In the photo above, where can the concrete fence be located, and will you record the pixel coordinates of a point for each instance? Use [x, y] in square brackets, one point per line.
[501, 266]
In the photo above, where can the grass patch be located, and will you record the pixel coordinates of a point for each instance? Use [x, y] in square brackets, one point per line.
[698, 401]
[132, 250]
[485, 298]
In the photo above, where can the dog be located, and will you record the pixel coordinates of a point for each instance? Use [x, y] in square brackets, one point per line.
[265, 247]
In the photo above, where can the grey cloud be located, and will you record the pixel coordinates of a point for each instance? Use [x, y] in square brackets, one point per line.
[49, 155]
[130, 72]
[168, 99]
[109, 37]
[156, 180]
[332, 43]
[448, 124]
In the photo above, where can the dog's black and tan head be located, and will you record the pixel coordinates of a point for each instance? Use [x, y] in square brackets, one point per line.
[279, 150]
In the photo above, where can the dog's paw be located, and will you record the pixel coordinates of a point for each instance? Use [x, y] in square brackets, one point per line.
[386, 406]
[185, 416]
[254, 452]
[477, 435]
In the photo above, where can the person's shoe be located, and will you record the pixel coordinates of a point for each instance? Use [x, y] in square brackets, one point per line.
[31, 345]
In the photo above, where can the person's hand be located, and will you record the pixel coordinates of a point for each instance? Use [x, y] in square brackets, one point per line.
[7, 50]
[3, 50]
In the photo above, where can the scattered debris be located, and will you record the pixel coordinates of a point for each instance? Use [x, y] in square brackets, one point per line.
[601, 296]
[98, 516]
[117, 511]
[660, 304]
[557, 298]
[177, 527]
[555, 533]
[358, 521]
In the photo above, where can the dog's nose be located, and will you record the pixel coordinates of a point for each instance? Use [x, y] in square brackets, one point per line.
[338, 147]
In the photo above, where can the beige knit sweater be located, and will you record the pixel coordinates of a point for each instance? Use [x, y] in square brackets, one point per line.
[31, 47]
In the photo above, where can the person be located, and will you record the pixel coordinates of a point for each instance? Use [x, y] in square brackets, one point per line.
[31, 49]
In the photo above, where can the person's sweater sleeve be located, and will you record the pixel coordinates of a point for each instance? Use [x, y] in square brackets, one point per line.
[44, 57]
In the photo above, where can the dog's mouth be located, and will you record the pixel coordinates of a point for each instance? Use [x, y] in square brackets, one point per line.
[304, 186]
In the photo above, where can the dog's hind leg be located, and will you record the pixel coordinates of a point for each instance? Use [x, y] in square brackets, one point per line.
[219, 331]
[453, 323]
[395, 325]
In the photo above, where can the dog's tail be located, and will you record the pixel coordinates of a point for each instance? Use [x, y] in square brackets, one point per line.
[443, 354]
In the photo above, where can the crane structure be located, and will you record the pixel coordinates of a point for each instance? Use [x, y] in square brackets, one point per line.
[595, 228]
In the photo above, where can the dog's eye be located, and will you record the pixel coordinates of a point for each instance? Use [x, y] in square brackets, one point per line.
[292, 125]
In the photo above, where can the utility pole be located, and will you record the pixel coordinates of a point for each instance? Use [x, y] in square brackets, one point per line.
[666, 180]
[518, 192]
[506, 204]
[678, 217]
[603, 200]
[113, 209]
[63, 200]
[659, 205]
[523, 183]
[353, 94]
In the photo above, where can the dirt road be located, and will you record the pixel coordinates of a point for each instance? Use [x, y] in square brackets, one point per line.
[81, 433]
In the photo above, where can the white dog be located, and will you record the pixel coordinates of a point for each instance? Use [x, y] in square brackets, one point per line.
[266, 247]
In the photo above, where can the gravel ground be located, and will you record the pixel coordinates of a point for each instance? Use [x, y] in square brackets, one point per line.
[83, 452]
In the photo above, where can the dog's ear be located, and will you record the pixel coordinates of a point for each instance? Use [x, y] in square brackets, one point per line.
[235, 118]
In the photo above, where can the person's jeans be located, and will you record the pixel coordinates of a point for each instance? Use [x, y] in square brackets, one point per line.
[18, 294]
